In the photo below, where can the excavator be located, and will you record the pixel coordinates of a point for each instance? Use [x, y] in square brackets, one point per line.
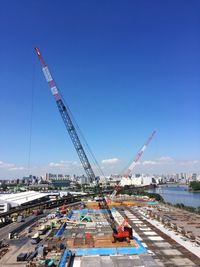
[123, 232]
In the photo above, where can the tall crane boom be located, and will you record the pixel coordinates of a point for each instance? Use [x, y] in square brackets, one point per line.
[63, 109]
[138, 156]
[132, 166]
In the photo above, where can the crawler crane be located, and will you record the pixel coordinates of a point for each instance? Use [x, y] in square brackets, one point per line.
[129, 170]
[120, 232]
[65, 114]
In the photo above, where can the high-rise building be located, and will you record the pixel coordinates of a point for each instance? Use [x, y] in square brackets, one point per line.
[194, 177]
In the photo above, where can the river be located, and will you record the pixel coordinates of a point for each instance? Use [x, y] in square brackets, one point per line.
[178, 194]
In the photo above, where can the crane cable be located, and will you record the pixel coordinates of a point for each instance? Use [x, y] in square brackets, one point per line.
[31, 118]
[84, 139]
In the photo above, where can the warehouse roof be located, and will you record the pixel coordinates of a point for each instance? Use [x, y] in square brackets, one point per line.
[17, 199]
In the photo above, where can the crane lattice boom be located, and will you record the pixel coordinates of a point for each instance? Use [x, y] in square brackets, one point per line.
[138, 156]
[132, 165]
[63, 109]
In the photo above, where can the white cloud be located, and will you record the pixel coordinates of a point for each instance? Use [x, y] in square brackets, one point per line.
[6, 165]
[149, 162]
[112, 161]
[165, 159]
[64, 164]
[166, 164]
[16, 168]
[11, 170]
[189, 162]
[159, 161]
[161, 165]
[55, 164]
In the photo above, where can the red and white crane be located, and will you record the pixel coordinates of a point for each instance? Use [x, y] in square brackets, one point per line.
[129, 170]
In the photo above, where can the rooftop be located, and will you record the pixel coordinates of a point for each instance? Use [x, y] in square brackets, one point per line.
[17, 199]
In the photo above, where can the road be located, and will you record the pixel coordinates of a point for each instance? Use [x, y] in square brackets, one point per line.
[4, 231]
[7, 229]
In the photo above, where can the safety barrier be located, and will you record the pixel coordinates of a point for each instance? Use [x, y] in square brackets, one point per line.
[65, 259]
[69, 215]
[61, 230]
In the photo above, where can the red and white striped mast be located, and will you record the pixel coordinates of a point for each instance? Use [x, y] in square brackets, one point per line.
[138, 156]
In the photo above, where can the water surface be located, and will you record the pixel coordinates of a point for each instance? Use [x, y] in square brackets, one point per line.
[178, 194]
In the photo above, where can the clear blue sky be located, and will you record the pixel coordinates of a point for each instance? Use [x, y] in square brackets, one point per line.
[124, 67]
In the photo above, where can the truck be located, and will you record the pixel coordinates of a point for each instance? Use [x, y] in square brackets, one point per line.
[43, 229]
[37, 212]
[20, 218]
[35, 239]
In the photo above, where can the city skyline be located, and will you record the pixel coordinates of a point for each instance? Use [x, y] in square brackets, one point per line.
[150, 167]
[181, 176]
[125, 70]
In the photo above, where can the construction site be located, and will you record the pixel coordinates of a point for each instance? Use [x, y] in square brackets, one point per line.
[96, 233]
[85, 229]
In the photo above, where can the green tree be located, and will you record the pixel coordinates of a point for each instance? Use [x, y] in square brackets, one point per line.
[4, 187]
[195, 185]
[198, 210]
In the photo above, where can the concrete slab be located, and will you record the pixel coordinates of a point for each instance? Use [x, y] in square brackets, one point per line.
[155, 238]
[134, 257]
[106, 261]
[124, 262]
[150, 264]
[159, 263]
[145, 229]
[162, 244]
[149, 233]
[77, 263]
[181, 262]
[91, 261]
[171, 252]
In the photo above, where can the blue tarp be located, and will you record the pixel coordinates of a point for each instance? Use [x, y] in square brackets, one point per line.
[65, 258]
[131, 250]
[60, 230]
[152, 202]
[69, 215]
[87, 210]
[139, 243]
[95, 251]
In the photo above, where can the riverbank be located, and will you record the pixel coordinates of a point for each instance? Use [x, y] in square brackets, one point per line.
[177, 195]
[173, 184]
[193, 191]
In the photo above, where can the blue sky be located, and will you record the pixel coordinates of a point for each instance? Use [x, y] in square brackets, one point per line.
[124, 67]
